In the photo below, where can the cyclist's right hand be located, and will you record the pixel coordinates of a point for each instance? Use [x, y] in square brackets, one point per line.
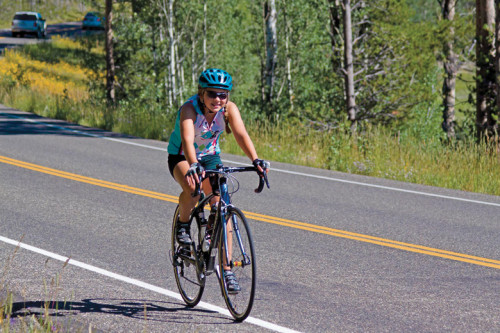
[194, 173]
[262, 166]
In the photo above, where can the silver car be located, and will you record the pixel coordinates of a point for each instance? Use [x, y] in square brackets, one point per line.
[29, 23]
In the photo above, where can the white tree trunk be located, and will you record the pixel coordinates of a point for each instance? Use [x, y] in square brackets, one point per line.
[451, 68]
[193, 61]
[164, 23]
[171, 36]
[349, 67]
[204, 34]
[485, 21]
[271, 48]
[110, 61]
[180, 71]
[288, 59]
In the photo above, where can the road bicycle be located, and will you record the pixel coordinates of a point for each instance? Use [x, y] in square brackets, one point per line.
[230, 241]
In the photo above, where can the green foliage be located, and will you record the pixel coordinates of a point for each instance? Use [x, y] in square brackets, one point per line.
[393, 71]
[380, 153]
[423, 122]
[137, 81]
[53, 53]
[429, 10]
[388, 56]
[398, 90]
[317, 86]
[148, 120]
[393, 48]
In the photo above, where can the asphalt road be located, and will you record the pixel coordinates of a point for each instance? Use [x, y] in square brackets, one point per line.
[69, 29]
[337, 252]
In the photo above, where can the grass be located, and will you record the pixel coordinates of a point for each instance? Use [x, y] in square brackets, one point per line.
[61, 89]
[55, 86]
[463, 166]
[46, 321]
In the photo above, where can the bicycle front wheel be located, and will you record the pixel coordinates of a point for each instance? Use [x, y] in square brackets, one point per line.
[189, 282]
[241, 260]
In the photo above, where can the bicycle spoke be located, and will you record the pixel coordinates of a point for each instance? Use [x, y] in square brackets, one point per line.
[242, 263]
[186, 275]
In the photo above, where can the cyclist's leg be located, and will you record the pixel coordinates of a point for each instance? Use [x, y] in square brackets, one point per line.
[186, 202]
[231, 280]
[210, 162]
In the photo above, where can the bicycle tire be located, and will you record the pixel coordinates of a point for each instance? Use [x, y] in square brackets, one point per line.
[186, 276]
[239, 304]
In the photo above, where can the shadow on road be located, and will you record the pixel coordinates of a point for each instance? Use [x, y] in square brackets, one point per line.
[15, 122]
[147, 310]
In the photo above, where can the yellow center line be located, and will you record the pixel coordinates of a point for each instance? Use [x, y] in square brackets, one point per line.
[269, 219]
[88, 180]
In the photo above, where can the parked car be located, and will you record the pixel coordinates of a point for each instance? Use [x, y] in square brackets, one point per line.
[93, 20]
[29, 23]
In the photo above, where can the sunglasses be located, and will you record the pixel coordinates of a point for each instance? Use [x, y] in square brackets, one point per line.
[214, 94]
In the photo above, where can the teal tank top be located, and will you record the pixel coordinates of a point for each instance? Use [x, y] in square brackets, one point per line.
[206, 136]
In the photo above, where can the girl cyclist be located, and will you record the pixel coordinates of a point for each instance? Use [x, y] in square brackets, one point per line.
[194, 146]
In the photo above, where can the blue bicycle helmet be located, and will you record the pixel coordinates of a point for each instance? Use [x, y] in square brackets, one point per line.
[216, 78]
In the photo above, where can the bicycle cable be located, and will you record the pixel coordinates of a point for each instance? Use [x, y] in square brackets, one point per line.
[235, 188]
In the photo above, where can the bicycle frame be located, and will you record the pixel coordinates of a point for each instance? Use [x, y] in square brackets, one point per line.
[229, 252]
[220, 223]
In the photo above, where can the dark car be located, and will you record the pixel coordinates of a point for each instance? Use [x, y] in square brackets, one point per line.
[93, 20]
[28, 23]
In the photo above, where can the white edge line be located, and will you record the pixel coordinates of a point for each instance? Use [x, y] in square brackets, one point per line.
[391, 188]
[277, 170]
[138, 283]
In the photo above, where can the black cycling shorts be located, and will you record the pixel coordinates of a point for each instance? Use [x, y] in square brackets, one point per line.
[209, 162]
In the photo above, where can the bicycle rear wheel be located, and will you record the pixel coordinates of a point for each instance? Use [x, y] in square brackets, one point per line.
[190, 284]
[242, 263]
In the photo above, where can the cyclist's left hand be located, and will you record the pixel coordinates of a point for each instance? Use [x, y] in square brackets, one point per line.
[194, 173]
[261, 165]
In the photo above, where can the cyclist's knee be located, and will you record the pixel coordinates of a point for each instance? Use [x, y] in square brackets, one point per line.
[186, 187]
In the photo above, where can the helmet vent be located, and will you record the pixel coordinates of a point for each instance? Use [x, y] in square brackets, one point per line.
[216, 78]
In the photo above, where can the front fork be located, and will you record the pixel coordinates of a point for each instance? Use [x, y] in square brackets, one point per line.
[236, 233]
[235, 228]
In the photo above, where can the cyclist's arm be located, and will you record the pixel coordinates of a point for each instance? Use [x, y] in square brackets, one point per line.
[187, 121]
[240, 132]
[188, 118]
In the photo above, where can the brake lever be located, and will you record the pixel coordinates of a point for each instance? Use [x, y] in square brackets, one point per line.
[262, 180]
[197, 189]
[267, 181]
[261, 185]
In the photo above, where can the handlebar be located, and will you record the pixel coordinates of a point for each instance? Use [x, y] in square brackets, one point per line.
[227, 170]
